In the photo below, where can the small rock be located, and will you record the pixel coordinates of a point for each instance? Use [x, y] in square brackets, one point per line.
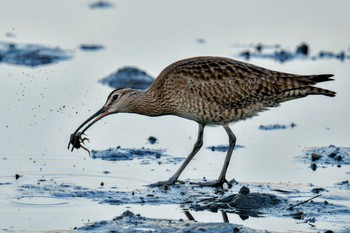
[245, 55]
[283, 56]
[165, 187]
[213, 207]
[313, 166]
[152, 140]
[318, 190]
[17, 176]
[298, 215]
[244, 190]
[102, 184]
[302, 49]
[127, 213]
[332, 155]
[233, 181]
[315, 157]
[339, 158]
[259, 47]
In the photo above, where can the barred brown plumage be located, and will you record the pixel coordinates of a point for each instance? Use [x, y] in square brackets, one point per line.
[210, 91]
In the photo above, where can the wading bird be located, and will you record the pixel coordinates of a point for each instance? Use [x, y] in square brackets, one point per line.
[209, 91]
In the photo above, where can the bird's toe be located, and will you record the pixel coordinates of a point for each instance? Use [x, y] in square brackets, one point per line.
[214, 184]
[165, 184]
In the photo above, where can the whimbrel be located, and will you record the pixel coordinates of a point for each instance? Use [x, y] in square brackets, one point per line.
[209, 91]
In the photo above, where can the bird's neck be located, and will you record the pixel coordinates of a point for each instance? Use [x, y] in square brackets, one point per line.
[145, 103]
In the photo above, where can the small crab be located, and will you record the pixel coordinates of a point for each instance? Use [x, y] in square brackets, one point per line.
[77, 141]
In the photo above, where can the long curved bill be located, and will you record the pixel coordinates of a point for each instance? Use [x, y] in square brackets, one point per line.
[98, 115]
[76, 140]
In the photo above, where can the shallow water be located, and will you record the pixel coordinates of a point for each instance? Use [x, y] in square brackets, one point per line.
[42, 106]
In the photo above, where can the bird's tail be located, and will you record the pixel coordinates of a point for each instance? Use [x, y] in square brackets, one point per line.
[304, 85]
[319, 91]
[318, 78]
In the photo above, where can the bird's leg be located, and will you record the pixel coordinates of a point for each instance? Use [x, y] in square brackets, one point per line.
[189, 215]
[222, 177]
[199, 143]
[224, 216]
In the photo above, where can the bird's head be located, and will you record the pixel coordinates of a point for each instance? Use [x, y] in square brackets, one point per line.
[118, 101]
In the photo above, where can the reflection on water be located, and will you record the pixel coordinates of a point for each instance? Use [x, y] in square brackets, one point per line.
[42, 106]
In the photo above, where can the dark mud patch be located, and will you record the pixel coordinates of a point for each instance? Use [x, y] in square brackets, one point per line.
[280, 200]
[326, 156]
[259, 200]
[344, 186]
[129, 222]
[100, 5]
[31, 54]
[223, 148]
[91, 47]
[280, 54]
[277, 126]
[344, 183]
[243, 203]
[5, 183]
[153, 196]
[130, 77]
[145, 155]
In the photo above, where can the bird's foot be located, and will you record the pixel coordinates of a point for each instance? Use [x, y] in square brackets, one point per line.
[166, 183]
[216, 184]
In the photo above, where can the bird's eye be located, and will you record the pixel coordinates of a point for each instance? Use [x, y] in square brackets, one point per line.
[115, 97]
